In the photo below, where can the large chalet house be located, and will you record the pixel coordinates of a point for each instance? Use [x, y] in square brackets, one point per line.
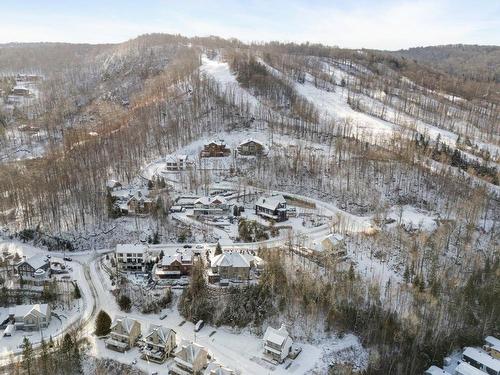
[211, 206]
[251, 148]
[159, 344]
[34, 267]
[131, 257]
[277, 344]
[215, 149]
[176, 163]
[25, 317]
[139, 204]
[174, 266]
[272, 207]
[124, 334]
[229, 266]
[190, 359]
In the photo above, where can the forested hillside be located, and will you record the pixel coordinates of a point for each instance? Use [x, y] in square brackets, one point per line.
[404, 146]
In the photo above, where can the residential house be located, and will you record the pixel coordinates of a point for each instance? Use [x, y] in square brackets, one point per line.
[190, 359]
[131, 257]
[334, 243]
[492, 346]
[174, 266]
[230, 266]
[277, 344]
[272, 207]
[464, 368]
[215, 148]
[251, 148]
[186, 201]
[124, 334]
[481, 360]
[139, 204]
[113, 185]
[20, 91]
[215, 368]
[175, 163]
[159, 344]
[211, 206]
[434, 370]
[37, 265]
[26, 317]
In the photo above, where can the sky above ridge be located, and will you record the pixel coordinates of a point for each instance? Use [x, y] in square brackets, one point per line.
[383, 24]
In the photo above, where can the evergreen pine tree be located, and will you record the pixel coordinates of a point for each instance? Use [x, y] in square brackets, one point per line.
[218, 249]
[27, 355]
[102, 324]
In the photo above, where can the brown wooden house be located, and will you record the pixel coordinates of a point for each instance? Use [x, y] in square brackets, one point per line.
[215, 149]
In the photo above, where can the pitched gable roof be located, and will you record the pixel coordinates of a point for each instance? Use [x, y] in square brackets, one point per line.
[162, 332]
[232, 259]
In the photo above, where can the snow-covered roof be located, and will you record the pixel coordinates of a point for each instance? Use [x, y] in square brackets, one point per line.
[130, 248]
[163, 333]
[276, 336]
[465, 369]
[334, 238]
[207, 201]
[482, 358]
[230, 260]
[36, 261]
[167, 260]
[189, 352]
[215, 368]
[250, 140]
[175, 158]
[112, 183]
[219, 142]
[271, 202]
[20, 311]
[434, 370]
[492, 342]
[126, 323]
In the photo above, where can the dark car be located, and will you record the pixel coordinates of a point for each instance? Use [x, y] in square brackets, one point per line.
[188, 246]
[67, 259]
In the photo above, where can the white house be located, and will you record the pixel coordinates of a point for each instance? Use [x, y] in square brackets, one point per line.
[492, 346]
[175, 163]
[277, 344]
[434, 370]
[131, 257]
[26, 317]
[481, 360]
[465, 369]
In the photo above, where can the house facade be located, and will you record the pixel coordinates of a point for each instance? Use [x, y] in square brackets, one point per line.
[35, 265]
[159, 344]
[214, 149]
[26, 317]
[175, 163]
[251, 148]
[124, 334]
[277, 344]
[230, 266]
[211, 206]
[174, 266]
[190, 359]
[272, 207]
[131, 257]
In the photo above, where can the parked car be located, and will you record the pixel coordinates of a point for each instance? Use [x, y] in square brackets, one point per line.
[134, 362]
[199, 325]
[67, 259]
[188, 246]
[163, 316]
[199, 247]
